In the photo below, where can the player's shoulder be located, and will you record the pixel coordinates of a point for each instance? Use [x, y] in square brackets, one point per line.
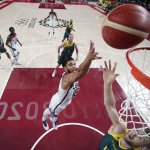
[66, 81]
[12, 35]
[65, 42]
[9, 36]
[68, 24]
[68, 78]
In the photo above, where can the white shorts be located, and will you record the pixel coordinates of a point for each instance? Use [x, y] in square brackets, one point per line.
[56, 106]
[52, 23]
[16, 52]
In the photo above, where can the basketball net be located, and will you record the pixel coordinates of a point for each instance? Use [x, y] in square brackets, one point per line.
[135, 111]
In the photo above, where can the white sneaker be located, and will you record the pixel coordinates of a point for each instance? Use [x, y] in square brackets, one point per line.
[54, 122]
[54, 73]
[45, 125]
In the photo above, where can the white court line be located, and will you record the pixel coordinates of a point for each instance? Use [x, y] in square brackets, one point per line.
[26, 47]
[2, 91]
[34, 57]
[66, 124]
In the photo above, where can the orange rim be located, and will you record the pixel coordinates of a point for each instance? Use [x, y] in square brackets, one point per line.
[138, 75]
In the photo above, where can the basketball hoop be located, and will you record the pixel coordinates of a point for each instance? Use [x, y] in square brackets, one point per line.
[139, 75]
[135, 111]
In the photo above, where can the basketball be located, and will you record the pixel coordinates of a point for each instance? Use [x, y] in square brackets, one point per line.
[126, 26]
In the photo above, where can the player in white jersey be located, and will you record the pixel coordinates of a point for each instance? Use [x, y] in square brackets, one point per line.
[3, 49]
[68, 86]
[52, 21]
[12, 42]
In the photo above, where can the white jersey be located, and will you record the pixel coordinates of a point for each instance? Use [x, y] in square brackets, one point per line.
[13, 40]
[52, 21]
[13, 43]
[52, 18]
[63, 98]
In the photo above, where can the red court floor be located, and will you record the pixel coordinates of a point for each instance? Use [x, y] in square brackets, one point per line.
[27, 94]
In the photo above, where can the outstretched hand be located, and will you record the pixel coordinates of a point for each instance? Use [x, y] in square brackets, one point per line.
[109, 75]
[92, 54]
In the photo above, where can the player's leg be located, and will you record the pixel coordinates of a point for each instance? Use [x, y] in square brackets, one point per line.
[17, 54]
[55, 70]
[53, 27]
[65, 36]
[55, 109]
[49, 33]
[60, 59]
[53, 31]
[48, 114]
[3, 50]
[8, 56]
[14, 56]
[50, 26]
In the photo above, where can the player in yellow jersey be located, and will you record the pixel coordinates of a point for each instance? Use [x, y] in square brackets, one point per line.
[118, 138]
[69, 46]
[68, 30]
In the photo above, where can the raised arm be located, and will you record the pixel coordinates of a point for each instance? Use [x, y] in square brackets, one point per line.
[109, 77]
[84, 66]
[77, 52]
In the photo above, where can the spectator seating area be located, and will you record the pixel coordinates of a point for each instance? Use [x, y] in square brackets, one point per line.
[108, 5]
